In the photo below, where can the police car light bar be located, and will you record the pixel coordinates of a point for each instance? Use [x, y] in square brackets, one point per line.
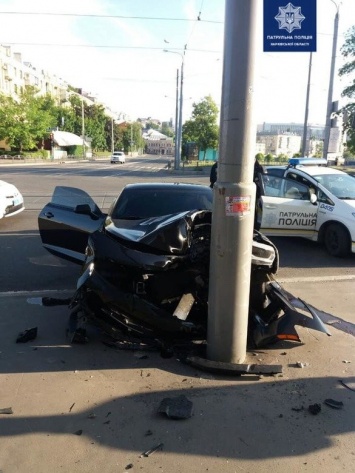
[307, 162]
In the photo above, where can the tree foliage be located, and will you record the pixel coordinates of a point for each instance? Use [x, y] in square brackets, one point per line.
[348, 69]
[24, 123]
[202, 128]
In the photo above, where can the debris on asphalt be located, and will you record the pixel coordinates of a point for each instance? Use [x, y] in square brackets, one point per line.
[71, 407]
[92, 416]
[152, 450]
[349, 385]
[314, 409]
[297, 409]
[27, 335]
[176, 407]
[129, 466]
[52, 301]
[79, 336]
[148, 432]
[232, 369]
[334, 404]
[300, 364]
[78, 432]
[346, 361]
[6, 410]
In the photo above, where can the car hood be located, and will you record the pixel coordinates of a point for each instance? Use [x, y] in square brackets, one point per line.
[7, 190]
[167, 233]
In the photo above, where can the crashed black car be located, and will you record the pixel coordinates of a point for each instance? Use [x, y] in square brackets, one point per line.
[145, 265]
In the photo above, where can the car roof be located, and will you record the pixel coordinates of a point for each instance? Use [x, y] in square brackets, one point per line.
[318, 170]
[166, 186]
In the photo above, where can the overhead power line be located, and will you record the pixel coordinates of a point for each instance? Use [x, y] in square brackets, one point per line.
[12, 43]
[86, 15]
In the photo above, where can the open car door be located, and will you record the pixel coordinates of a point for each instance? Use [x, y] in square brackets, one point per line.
[286, 208]
[66, 222]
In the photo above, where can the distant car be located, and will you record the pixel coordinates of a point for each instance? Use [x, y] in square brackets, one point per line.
[118, 157]
[311, 200]
[11, 200]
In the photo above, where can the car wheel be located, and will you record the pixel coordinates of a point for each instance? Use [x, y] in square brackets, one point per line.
[336, 240]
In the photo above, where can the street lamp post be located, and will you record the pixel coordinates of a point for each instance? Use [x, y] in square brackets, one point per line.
[179, 104]
[331, 82]
[83, 126]
[112, 136]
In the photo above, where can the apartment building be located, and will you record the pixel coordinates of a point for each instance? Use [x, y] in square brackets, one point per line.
[15, 75]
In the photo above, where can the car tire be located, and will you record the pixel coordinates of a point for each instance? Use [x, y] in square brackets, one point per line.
[336, 240]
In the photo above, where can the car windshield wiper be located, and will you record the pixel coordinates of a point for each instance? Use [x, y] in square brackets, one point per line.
[346, 198]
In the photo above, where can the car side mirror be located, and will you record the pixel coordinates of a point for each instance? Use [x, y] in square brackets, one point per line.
[85, 209]
[313, 199]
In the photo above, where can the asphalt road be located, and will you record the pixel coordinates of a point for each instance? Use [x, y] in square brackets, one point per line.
[26, 266]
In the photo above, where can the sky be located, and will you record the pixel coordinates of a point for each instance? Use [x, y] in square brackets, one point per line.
[114, 50]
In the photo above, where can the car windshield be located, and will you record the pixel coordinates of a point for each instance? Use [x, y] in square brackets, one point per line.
[340, 185]
[146, 203]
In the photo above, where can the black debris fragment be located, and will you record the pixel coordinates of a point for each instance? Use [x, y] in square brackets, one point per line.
[297, 409]
[27, 335]
[176, 408]
[79, 336]
[348, 385]
[334, 404]
[6, 410]
[71, 407]
[52, 301]
[152, 450]
[78, 432]
[314, 409]
[129, 466]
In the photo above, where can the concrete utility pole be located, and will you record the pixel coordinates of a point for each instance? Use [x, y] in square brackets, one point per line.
[234, 191]
[176, 155]
[331, 83]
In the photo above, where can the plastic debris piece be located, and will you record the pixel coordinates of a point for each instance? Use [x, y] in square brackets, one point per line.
[334, 404]
[176, 408]
[314, 409]
[152, 450]
[78, 432]
[297, 409]
[27, 335]
[300, 364]
[349, 385]
[6, 410]
[79, 336]
[52, 301]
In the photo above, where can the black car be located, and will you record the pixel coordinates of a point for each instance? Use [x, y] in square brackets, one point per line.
[66, 222]
[145, 264]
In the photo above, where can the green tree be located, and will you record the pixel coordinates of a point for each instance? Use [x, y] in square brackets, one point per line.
[202, 128]
[25, 122]
[268, 158]
[348, 69]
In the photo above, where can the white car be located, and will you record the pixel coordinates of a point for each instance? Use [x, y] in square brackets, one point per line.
[312, 201]
[11, 200]
[118, 157]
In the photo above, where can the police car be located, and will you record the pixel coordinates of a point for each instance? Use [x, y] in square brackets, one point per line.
[308, 199]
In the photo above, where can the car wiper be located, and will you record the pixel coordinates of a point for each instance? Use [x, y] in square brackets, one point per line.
[346, 198]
